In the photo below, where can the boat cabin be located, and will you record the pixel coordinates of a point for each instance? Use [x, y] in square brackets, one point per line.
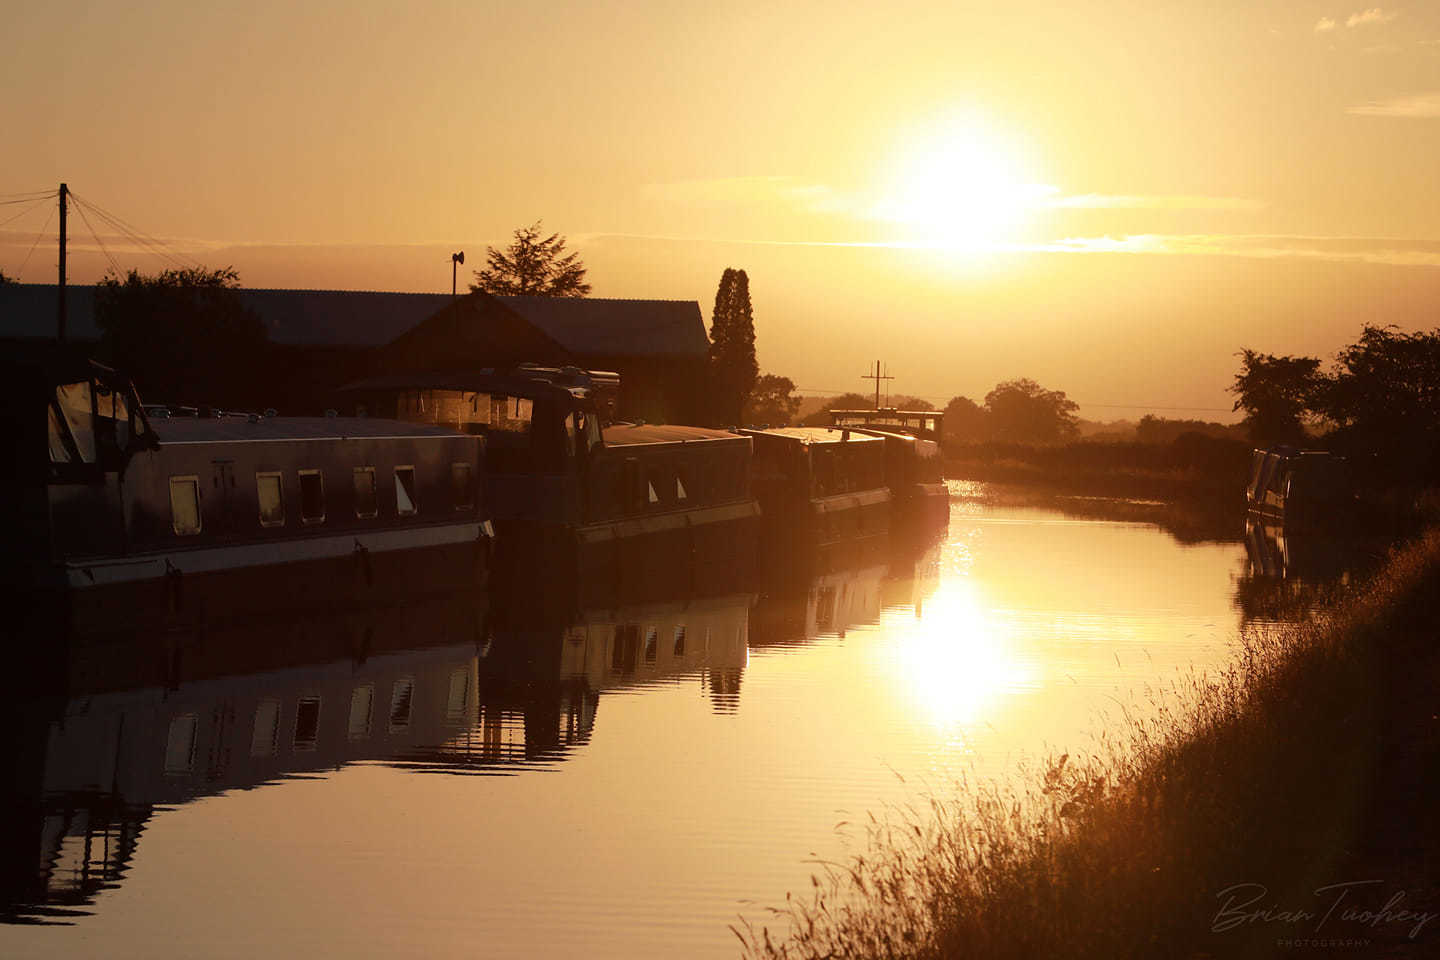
[119, 502]
[820, 485]
[925, 424]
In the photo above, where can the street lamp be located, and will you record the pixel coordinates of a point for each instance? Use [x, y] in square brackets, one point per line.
[456, 259]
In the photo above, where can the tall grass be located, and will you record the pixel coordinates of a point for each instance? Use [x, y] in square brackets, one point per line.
[1263, 773]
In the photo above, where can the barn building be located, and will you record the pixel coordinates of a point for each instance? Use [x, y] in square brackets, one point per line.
[322, 339]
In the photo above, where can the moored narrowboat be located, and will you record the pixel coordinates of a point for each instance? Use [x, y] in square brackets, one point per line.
[821, 489]
[132, 523]
[1299, 488]
[629, 510]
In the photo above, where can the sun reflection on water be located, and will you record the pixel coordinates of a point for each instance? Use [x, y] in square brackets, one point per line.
[954, 662]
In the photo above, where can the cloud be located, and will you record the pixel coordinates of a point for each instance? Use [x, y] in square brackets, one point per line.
[1388, 251]
[1418, 106]
[1154, 202]
[1372, 17]
[1324, 25]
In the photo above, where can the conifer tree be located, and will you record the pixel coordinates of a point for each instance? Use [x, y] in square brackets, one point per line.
[733, 368]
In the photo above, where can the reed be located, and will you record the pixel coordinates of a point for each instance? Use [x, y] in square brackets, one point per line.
[1269, 772]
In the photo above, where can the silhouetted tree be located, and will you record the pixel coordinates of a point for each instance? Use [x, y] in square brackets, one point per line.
[1276, 393]
[846, 401]
[182, 335]
[772, 401]
[966, 421]
[1023, 411]
[532, 266]
[4, 279]
[1384, 399]
[903, 402]
[732, 346]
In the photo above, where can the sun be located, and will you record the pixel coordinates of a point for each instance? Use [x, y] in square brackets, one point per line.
[961, 185]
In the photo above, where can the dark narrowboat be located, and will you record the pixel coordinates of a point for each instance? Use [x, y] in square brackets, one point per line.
[629, 510]
[132, 522]
[821, 489]
[1299, 488]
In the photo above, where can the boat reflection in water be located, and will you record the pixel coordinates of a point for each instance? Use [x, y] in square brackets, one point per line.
[125, 730]
[1290, 570]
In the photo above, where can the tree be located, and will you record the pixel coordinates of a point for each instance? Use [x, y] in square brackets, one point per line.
[1384, 400]
[182, 335]
[966, 421]
[532, 266]
[1023, 411]
[1276, 393]
[903, 402]
[732, 346]
[772, 401]
[4, 279]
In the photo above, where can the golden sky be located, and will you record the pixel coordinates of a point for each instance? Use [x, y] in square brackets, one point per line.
[1112, 198]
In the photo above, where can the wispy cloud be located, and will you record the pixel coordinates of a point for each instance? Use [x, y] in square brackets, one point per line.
[1324, 25]
[1418, 106]
[1371, 17]
[1154, 202]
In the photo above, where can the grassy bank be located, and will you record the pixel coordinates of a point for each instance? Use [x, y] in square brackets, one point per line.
[1194, 469]
[1314, 761]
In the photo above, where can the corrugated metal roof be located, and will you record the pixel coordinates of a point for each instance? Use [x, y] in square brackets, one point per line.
[367, 318]
[616, 327]
[235, 429]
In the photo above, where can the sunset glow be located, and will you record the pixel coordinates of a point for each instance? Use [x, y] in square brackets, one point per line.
[961, 187]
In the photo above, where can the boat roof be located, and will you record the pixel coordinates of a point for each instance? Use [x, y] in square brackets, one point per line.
[237, 430]
[816, 435]
[625, 434]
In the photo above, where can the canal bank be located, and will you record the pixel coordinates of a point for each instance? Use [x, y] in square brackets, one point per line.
[1286, 803]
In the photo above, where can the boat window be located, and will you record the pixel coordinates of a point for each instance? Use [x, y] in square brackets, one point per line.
[654, 483]
[402, 697]
[312, 496]
[307, 723]
[680, 641]
[622, 654]
[270, 492]
[681, 474]
[405, 502]
[113, 412]
[590, 428]
[75, 406]
[267, 728]
[362, 708]
[652, 644]
[462, 483]
[185, 505]
[570, 431]
[459, 694]
[510, 414]
[180, 744]
[59, 451]
[366, 503]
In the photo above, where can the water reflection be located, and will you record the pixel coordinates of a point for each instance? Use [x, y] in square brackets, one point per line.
[622, 770]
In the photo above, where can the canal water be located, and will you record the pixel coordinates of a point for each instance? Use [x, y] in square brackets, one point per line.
[605, 782]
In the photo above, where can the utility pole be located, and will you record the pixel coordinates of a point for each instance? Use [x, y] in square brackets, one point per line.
[60, 309]
[455, 260]
[877, 376]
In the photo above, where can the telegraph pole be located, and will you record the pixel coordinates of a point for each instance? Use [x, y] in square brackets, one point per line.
[60, 309]
[877, 376]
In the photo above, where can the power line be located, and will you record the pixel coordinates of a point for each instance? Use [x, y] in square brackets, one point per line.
[22, 197]
[148, 243]
[36, 243]
[100, 243]
[23, 212]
